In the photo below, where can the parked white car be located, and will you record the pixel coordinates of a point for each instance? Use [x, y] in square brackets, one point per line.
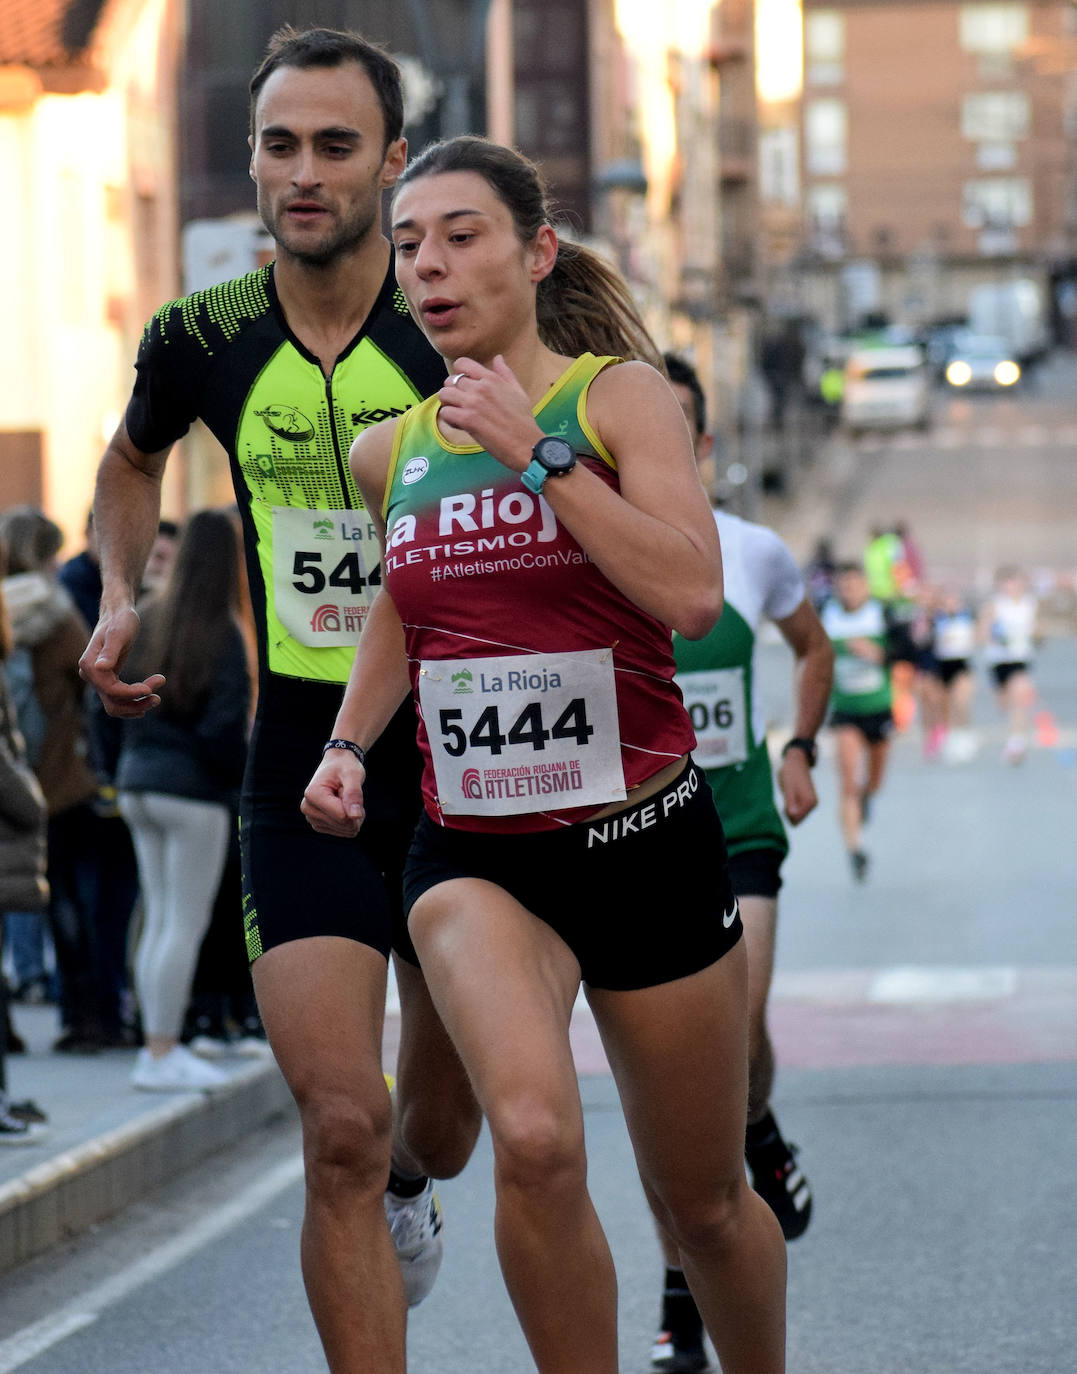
[886, 388]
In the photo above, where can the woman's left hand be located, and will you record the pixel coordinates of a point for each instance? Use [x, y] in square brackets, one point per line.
[490, 404]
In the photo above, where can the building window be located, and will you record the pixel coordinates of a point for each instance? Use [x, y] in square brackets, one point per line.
[825, 132]
[993, 28]
[997, 203]
[827, 206]
[993, 33]
[779, 175]
[824, 48]
[995, 116]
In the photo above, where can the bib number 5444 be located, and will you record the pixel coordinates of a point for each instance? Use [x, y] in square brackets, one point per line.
[527, 728]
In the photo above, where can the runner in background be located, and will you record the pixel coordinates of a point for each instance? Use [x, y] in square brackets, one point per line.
[864, 641]
[1008, 631]
[953, 649]
[717, 676]
[894, 566]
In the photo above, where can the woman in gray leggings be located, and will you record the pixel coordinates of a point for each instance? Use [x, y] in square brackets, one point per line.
[179, 771]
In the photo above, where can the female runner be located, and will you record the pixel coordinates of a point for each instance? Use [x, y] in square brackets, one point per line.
[543, 526]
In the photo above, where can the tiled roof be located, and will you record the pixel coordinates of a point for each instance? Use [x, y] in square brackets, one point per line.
[46, 33]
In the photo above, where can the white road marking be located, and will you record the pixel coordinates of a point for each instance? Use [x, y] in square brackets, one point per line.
[83, 1311]
[911, 984]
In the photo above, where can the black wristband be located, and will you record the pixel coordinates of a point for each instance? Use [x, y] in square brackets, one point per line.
[805, 745]
[351, 747]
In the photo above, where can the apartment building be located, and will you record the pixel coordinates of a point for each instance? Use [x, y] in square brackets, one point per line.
[937, 150]
[87, 121]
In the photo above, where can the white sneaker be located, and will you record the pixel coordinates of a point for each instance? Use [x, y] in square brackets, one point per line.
[252, 1047]
[415, 1227]
[1015, 749]
[178, 1071]
[209, 1047]
[960, 746]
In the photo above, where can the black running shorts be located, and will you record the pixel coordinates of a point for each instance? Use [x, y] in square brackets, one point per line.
[756, 872]
[947, 669]
[297, 882]
[1002, 672]
[641, 897]
[875, 726]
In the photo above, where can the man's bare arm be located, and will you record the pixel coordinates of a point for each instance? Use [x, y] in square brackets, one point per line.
[813, 675]
[127, 508]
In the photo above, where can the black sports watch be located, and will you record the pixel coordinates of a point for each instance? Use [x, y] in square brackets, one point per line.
[805, 745]
[551, 457]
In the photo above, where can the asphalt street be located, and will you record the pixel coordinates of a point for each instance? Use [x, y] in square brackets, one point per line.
[926, 1027]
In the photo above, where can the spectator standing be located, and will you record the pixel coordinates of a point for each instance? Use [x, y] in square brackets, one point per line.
[178, 780]
[22, 870]
[162, 558]
[819, 574]
[46, 622]
[114, 885]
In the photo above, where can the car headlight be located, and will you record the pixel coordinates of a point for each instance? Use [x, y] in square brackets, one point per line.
[1006, 373]
[959, 373]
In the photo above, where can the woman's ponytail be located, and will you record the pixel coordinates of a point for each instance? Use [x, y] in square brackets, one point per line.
[584, 305]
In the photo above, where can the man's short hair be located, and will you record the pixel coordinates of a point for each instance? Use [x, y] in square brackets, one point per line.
[290, 47]
[683, 374]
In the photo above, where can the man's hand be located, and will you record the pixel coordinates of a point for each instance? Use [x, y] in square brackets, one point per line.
[333, 801]
[797, 787]
[103, 659]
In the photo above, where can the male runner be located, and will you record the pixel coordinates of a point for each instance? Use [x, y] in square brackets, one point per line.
[285, 366]
[866, 640]
[716, 677]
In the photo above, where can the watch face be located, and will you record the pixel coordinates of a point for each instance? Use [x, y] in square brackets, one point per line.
[555, 454]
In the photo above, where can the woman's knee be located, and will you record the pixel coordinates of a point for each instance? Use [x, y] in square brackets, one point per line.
[536, 1146]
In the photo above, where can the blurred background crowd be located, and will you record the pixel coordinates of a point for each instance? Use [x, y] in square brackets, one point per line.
[119, 862]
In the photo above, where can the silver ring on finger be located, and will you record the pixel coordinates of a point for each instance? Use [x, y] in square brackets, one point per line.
[457, 378]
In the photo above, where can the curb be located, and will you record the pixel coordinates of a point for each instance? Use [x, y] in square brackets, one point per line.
[81, 1187]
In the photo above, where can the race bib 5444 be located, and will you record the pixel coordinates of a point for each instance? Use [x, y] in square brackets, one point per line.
[523, 733]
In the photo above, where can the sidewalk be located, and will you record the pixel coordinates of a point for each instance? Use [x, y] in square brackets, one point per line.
[110, 1144]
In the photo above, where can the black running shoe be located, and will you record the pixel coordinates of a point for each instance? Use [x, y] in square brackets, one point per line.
[859, 861]
[777, 1178]
[27, 1111]
[677, 1355]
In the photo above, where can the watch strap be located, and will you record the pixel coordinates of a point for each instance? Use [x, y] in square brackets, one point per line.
[807, 747]
[534, 476]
